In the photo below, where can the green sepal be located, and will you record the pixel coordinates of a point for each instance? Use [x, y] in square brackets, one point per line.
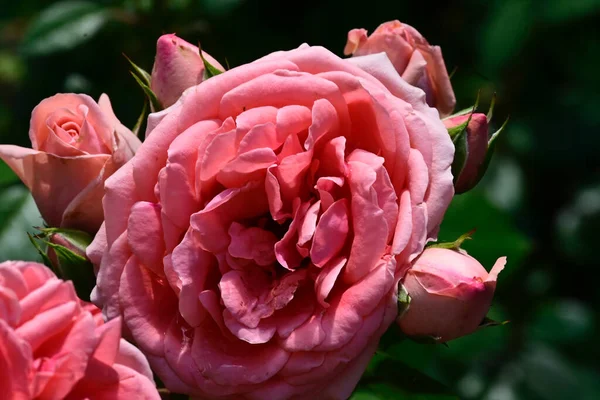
[427, 339]
[144, 76]
[69, 265]
[403, 300]
[75, 268]
[451, 74]
[461, 151]
[141, 119]
[467, 110]
[456, 244]
[209, 69]
[490, 150]
[490, 113]
[43, 254]
[154, 102]
[78, 238]
[488, 323]
[457, 130]
[143, 79]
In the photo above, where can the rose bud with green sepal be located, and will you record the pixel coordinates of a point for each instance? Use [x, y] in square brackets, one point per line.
[66, 255]
[178, 65]
[473, 146]
[450, 294]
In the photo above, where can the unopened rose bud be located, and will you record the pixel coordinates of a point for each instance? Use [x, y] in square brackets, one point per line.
[66, 254]
[75, 241]
[468, 169]
[450, 294]
[177, 66]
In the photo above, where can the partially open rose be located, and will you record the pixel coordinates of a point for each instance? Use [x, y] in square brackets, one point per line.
[54, 346]
[254, 243]
[419, 63]
[76, 144]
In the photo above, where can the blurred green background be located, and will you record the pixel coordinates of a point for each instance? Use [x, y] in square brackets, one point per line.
[539, 204]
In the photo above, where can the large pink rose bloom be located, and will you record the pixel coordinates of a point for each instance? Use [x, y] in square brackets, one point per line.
[254, 243]
[76, 144]
[54, 346]
[419, 63]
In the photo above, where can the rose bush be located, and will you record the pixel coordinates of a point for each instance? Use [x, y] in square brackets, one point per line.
[254, 244]
[54, 346]
[76, 144]
[419, 63]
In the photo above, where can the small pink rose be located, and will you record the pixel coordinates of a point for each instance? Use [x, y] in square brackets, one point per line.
[177, 66]
[419, 63]
[76, 144]
[450, 294]
[54, 346]
[253, 244]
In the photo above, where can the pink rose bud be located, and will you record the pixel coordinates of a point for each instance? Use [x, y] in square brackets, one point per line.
[66, 255]
[416, 61]
[55, 346]
[450, 294]
[177, 66]
[468, 170]
[77, 144]
[75, 241]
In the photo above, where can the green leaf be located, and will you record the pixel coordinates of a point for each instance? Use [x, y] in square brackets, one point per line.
[389, 378]
[560, 11]
[18, 215]
[505, 33]
[7, 176]
[63, 26]
[563, 321]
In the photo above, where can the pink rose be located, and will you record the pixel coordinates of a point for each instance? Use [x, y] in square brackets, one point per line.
[177, 67]
[420, 64]
[254, 242]
[54, 346]
[450, 294]
[77, 143]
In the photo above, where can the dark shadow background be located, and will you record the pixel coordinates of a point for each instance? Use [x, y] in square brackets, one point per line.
[539, 203]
